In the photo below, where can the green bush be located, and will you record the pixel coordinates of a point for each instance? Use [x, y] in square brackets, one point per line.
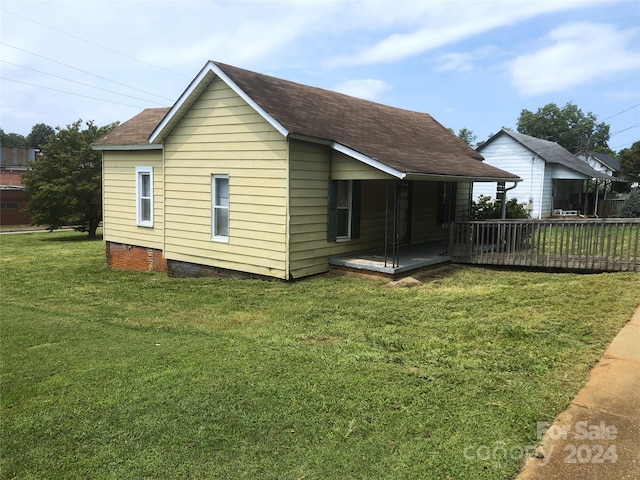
[631, 208]
[486, 209]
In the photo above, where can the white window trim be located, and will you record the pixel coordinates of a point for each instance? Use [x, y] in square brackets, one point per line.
[139, 221]
[214, 207]
[349, 208]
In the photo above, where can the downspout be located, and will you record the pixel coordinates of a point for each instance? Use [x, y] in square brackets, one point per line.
[287, 226]
[504, 201]
[164, 202]
[104, 231]
[544, 173]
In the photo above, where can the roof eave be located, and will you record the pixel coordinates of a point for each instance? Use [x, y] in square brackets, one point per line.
[149, 146]
[372, 162]
[459, 178]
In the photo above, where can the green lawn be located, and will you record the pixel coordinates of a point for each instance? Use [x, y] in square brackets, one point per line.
[112, 374]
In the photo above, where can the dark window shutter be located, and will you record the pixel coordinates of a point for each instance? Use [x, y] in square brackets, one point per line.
[356, 190]
[332, 213]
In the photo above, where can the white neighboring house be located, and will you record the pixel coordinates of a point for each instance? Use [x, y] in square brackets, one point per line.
[602, 162]
[553, 179]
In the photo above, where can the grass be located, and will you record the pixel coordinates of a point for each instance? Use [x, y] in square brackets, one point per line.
[114, 374]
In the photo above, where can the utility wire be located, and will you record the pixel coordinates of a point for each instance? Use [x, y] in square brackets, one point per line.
[625, 110]
[93, 43]
[71, 93]
[625, 129]
[84, 71]
[80, 83]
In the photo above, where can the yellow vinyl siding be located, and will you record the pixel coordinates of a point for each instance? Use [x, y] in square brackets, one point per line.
[119, 198]
[221, 134]
[309, 176]
[347, 168]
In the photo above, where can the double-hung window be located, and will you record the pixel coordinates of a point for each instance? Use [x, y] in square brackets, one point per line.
[344, 210]
[220, 208]
[144, 196]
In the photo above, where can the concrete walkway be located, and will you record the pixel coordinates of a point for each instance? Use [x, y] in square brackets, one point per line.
[598, 436]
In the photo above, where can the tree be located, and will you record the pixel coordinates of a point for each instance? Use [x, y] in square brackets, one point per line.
[467, 136]
[631, 207]
[12, 140]
[630, 161]
[568, 126]
[39, 135]
[65, 181]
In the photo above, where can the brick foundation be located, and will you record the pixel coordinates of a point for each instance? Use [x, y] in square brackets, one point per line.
[131, 257]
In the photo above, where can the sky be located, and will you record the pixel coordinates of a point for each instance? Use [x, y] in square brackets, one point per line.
[471, 64]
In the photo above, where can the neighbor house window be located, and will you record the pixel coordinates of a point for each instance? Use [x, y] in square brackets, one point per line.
[144, 196]
[220, 207]
[344, 210]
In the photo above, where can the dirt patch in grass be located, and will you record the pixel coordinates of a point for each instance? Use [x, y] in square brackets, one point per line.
[425, 276]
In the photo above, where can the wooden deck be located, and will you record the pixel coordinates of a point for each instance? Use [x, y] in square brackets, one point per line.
[582, 244]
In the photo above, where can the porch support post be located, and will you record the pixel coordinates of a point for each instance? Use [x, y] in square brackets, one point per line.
[396, 208]
[386, 222]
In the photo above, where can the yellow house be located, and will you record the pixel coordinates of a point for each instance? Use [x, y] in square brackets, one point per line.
[258, 176]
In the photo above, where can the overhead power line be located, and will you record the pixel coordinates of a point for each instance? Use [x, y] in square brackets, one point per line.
[625, 129]
[86, 72]
[80, 83]
[93, 43]
[623, 111]
[70, 93]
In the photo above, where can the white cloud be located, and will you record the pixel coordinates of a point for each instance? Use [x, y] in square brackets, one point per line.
[369, 89]
[575, 54]
[464, 61]
[445, 23]
[460, 61]
[252, 33]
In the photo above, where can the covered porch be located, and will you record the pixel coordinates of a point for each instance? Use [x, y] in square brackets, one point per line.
[393, 262]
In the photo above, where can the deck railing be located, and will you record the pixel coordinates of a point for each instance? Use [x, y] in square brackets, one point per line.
[585, 244]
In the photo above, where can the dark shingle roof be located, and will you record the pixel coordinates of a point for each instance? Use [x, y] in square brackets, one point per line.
[135, 131]
[550, 152]
[408, 141]
[607, 160]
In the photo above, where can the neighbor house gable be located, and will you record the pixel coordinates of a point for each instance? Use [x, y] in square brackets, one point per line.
[550, 152]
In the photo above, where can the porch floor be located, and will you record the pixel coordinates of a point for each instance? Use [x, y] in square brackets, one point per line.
[412, 258]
